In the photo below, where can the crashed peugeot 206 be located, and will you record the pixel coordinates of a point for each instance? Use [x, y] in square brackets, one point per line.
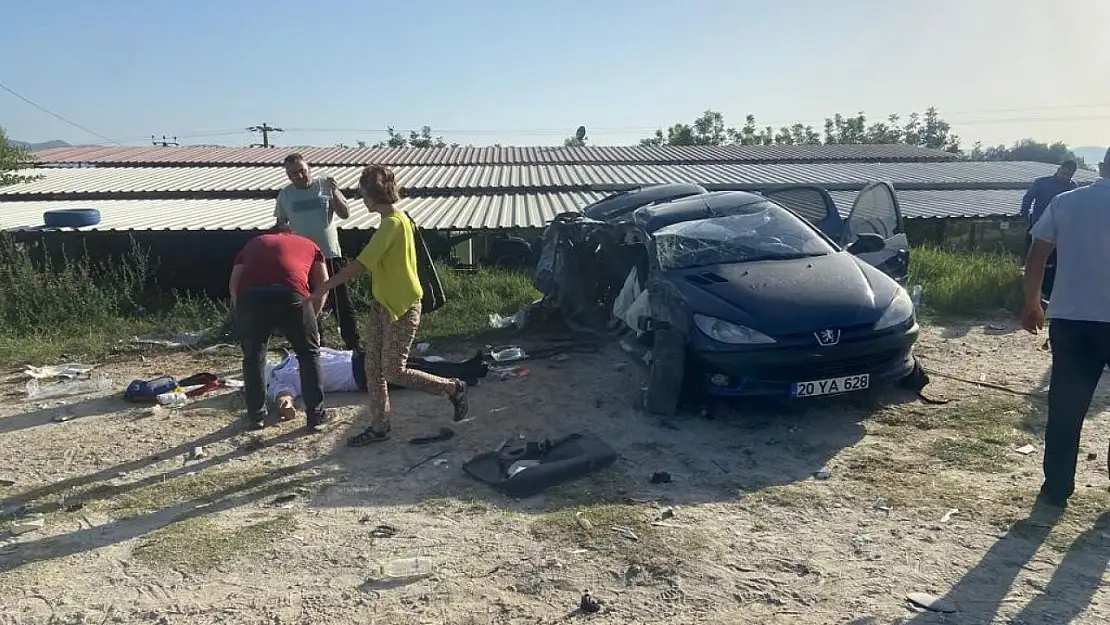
[733, 294]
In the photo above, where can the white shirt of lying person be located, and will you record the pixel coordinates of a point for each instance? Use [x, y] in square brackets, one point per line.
[335, 370]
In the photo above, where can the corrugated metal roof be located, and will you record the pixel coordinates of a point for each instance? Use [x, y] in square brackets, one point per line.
[434, 213]
[529, 155]
[442, 213]
[264, 181]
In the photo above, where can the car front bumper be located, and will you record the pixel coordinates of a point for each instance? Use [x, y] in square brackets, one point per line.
[774, 372]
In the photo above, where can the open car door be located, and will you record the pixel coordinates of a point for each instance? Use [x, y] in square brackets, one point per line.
[876, 211]
[813, 204]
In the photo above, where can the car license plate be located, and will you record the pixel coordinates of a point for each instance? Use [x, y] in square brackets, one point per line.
[831, 386]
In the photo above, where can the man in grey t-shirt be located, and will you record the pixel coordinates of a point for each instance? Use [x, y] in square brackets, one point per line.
[310, 207]
[1076, 225]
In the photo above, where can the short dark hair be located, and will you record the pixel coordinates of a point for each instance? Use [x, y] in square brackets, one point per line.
[1070, 164]
[292, 158]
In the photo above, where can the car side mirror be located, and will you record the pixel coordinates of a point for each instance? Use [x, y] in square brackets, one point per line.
[867, 243]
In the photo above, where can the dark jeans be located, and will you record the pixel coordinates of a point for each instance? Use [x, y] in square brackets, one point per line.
[261, 311]
[339, 301]
[1080, 351]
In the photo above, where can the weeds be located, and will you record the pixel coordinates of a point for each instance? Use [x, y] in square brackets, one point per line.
[966, 284]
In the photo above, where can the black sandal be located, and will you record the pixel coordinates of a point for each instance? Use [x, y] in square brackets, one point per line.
[368, 437]
[458, 400]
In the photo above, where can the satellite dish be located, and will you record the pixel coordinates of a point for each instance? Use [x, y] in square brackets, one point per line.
[580, 134]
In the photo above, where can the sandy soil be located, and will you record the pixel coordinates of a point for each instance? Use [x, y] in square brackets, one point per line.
[279, 526]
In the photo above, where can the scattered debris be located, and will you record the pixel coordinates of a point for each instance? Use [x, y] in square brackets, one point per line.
[625, 531]
[4, 483]
[931, 603]
[496, 410]
[441, 462]
[1025, 450]
[583, 522]
[666, 513]
[501, 322]
[98, 382]
[23, 527]
[948, 515]
[199, 453]
[283, 501]
[444, 434]
[62, 417]
[512, 372]
[509, 354]
[75, 507]
[881, 505]
[176, 341]
[822, 474]
[589, 605]
[660, 477]
[426, 460]
[71, 370]
[384, 530]
[1092, 456]
[233, 383]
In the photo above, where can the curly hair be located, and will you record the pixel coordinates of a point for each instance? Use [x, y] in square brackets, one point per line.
[379, 185]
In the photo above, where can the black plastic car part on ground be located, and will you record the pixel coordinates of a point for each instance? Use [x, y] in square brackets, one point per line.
[733, 294]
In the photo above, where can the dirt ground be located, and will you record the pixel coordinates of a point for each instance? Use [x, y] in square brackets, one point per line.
[279, 526]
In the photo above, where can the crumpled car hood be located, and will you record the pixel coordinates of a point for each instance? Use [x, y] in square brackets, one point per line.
[789, 296]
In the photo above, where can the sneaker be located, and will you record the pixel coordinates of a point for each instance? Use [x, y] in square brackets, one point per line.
[367, 437]
[459, 402]
[318, 422]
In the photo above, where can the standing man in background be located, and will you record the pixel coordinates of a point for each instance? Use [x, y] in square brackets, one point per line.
[1077, 225]
[1033, 205]
[309, 206]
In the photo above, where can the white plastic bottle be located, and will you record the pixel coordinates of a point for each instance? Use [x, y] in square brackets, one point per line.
[405, 569]
[173, 399]
[96, 383]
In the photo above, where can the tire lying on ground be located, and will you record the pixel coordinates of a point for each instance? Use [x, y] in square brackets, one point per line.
[71, 218]
[667, 375]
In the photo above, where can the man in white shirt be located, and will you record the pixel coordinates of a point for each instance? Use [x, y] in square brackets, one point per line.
[342, 371]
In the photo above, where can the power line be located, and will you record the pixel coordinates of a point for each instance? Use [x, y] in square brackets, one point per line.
[265, 129]
[55, 115]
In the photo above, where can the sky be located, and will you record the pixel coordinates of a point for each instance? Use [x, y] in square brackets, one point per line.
[529, 72]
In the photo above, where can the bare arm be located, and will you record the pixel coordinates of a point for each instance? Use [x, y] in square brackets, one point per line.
[279, 214]
[317, 277]
[344, 276]
[1034, 271]
[339, 200]
[233, 283]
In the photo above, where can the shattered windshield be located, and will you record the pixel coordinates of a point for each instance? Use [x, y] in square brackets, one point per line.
[764, 231]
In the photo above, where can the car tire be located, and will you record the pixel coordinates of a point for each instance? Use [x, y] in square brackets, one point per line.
[666, 376]
[71, 218]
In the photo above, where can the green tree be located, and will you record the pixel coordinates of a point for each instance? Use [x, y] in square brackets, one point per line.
[422, 139]
[575, 142]
[1026, 150]
[13, 158]
[928, 130]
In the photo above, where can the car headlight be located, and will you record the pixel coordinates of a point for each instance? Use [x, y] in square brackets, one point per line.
[899, 311]
[730, 333]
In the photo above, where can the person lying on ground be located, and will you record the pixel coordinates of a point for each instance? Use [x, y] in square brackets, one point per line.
[390, 259]
[343, 371]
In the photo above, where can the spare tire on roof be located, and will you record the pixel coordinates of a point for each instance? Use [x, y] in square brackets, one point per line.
[71, 218]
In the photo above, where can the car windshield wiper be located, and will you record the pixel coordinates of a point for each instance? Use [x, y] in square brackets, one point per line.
[795, 256]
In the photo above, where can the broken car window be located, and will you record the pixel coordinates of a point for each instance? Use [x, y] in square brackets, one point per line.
[763, 231]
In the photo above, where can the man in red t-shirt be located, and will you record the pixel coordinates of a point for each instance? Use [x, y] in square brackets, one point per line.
[273, 276]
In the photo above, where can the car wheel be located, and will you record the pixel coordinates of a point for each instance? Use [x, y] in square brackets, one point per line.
[667, 373]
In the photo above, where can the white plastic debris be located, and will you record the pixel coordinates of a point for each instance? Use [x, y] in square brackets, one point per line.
[71, 370]
[501, 322]
[1025, 450]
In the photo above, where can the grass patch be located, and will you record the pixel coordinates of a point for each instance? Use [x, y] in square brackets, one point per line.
[591, 527]
[199, 543]
[71, 307]
[966, 283]
[971, 454]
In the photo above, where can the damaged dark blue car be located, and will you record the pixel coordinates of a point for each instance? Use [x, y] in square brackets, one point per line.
[733, 293]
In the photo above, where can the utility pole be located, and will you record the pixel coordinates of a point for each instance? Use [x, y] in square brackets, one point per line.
[265, 129]
[164, 142]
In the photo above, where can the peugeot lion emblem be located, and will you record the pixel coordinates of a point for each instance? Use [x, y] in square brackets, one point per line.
[827, 337]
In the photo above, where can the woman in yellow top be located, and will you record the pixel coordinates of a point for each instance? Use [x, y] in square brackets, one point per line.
[390, 259]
